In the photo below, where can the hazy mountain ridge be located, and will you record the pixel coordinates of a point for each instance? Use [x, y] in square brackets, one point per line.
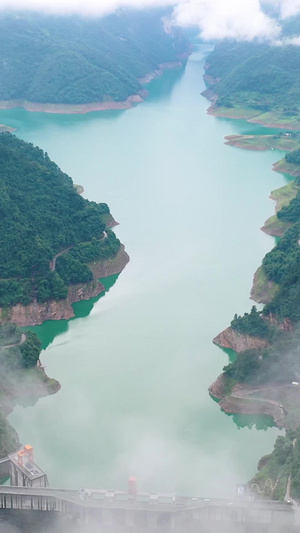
[257, 75]
[74, 60]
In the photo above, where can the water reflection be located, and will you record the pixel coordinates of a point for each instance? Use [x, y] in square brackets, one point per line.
[52, 328]
[260, 422]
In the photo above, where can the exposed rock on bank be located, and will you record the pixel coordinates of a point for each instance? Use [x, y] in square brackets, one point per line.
[36, 313]
[109, 220]
[217, 389]
[68, 109]
[112, 266]
[284, 167]
[248, 400]
[232, 405]
[161, 68]
[229, 338]
[241, 141]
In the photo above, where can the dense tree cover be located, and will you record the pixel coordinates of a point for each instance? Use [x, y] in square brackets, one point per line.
[30, 350]
[293, 157]
[89, 251]
[276, 363]
[252, 324]
[291, 212]
[257, 75]
[42, 215]
[282, 265]
[74, 60]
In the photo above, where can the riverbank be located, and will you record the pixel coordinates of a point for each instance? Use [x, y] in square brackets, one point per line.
[109, 105]
[263, 290]
[281, 403]
[68, 109]
[238, 342]
[36, 313]
[236, 398]
[287, 142]
[269, 119]
[235, 395]
[274, 226]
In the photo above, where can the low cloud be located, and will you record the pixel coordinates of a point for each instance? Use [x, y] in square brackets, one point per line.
[286, 8]
[233, 19]
[216, 19]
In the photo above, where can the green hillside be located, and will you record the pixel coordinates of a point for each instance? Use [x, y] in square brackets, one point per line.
[256, 75]
[73, 60]
[42, 215]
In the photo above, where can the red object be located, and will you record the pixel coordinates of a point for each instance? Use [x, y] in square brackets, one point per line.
[132, 486]
[26, 452]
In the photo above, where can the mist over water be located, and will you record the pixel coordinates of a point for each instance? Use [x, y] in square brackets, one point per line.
[135, 368]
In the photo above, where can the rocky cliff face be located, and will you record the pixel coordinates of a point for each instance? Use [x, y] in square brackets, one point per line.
[229, 338]
[233, 405]
[115, 265]
[217, 389]
[248, 400]
[36, 313]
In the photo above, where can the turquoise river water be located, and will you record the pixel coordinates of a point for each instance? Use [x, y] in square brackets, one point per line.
[135, 365]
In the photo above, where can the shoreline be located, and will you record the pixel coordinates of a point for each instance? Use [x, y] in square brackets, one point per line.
[284, 142]
[274, 400]
[274, 226]
[70, 109]
[238, 342]
[249, 400]
[109, 105]
[267, 120]
[36, 313]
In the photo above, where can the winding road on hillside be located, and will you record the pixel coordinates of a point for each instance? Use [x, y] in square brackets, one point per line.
[52, 263]
[23, 339]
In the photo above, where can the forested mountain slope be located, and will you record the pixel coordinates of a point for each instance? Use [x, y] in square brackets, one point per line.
[41, 215]
[257, 75]
[74, 60]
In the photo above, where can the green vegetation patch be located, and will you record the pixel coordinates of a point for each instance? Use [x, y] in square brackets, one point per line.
[252, 324]
[271, 480]
[42, 218]
[288, 141]
[274, 470]
[287, 168]
[260, 78]
[233, 111]
[285, 194]
[263, 290]
[275, 227]
[79, 60]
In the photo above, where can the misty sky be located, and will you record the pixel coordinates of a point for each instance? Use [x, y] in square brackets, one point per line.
[216, 19]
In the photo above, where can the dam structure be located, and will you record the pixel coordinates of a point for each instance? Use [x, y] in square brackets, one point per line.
[113, 510]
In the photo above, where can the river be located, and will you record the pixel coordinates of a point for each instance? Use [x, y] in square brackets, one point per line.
[135, 365]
